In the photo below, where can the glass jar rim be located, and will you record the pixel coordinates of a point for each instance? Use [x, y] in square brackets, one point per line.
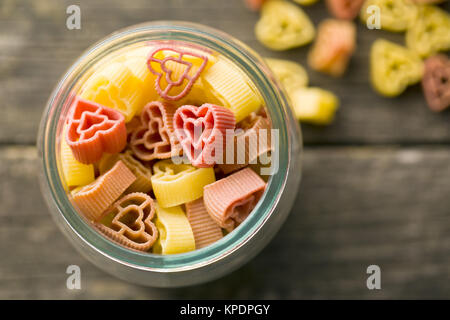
[241, 55]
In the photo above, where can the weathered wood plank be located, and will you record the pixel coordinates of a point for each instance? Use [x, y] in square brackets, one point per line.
[36, 48]
[356, 207]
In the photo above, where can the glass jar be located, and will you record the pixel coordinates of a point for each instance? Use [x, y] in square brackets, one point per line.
[200, 265]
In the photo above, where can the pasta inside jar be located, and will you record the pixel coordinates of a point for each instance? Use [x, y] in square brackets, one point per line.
[164, 147]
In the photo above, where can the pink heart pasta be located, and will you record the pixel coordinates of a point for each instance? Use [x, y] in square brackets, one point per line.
[94, 129]
[175, 72]
[202, 132]
[230, 200]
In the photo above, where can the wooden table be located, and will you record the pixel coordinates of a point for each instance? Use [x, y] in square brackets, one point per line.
[375, 189]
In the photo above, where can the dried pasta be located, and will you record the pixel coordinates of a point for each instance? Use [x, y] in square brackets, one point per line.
[204, 228]
[75, 173]
[115, 86]
[143, 174]
[129, 222]
[393, 67]
[395, 15]
[94, 198]
[283, 25]
[291, 74]
[430, 32]
[230, 200]
[154, 138]
[175, 233]
[232, 88]
[169, 182]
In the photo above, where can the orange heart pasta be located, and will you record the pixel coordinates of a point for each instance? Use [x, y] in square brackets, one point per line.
[154, 138]
[93, 199]
[164, 144]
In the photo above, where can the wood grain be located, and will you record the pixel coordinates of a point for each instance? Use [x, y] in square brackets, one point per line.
[36, 48]
[357, 206]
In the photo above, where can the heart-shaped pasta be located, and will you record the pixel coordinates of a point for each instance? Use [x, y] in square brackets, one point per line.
[283, 25]
[291, 74]
[94, 129]
[436, 82]
[395, 15]
[129, 222]
[430, 32]
[154, 138]
[176, 71]
[175, 184]
[230, 200]
[393, 67]
[202, 132]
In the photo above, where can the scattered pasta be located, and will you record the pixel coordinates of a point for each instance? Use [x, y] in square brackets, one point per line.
[283, 25]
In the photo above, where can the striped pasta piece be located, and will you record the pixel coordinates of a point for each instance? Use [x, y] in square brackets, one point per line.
[143, 174]
[230, 200]
[232, 88]
[115, 86]
[205, 229]
[175, 184]
[248, 145]
[129, 222]
[75, 173]
[154, 138]
[94, 129]
[93, 199]
[175, 233]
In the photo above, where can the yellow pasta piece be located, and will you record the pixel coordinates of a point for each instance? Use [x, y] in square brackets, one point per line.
[230, 86]
[175, 184]
[75, 173]
[314, 105]
[175, 232]
[283, 25]
[306, 2]
[115, 86]
[291, 74]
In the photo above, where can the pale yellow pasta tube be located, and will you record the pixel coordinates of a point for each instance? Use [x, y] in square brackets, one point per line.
[230, 86]
[175, 232]
[75, 173]
[115, 86]
[175, 184]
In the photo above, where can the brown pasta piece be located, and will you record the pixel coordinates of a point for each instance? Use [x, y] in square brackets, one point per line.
[254, 141]
[155, 138]
[128, 222]
[94, 198]
[230, 200]
[143, 174]
[436, 82]
[205, 229]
